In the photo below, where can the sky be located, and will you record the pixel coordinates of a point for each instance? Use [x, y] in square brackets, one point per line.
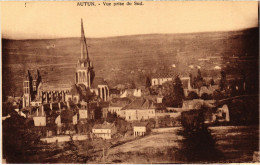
[41, 20]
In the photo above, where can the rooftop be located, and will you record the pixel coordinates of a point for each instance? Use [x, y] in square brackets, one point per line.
[98, 81]
[142, 104]
[105, 125]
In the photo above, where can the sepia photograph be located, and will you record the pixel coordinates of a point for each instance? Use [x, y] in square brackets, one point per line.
[129, 82]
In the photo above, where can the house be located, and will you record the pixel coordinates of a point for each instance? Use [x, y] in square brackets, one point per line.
[141, 109]
[104, 131]
[59, 125]
[140, 128]
[115, 106]
[192, 104]
[137, 92]
[159, 99]
[114, 93]
[160, 78]
[222, 114]
[197, 104]
[83, 110]
[39, 117]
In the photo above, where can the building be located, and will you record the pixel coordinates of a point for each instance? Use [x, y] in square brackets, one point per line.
[197, 104]
[115, 106]
[36, 92]
[31, 86]
[140, 129]
[131, 92]
[141, 109]
[39, 117]
[160, 78]
[100, 88]
[222, 114]
[83, 110]
[104, 131]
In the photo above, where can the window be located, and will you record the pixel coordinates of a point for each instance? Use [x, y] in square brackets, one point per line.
[129, 117]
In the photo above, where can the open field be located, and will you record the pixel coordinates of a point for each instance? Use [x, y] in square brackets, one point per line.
[233, 144]
[123, 59]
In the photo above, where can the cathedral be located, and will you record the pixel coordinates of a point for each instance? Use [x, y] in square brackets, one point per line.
[35, 94]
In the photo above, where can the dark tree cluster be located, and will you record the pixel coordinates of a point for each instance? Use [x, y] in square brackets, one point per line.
[175, 95]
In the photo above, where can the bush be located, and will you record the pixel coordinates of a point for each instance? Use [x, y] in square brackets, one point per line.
[206, 96]
[18, 140]
[192, 95]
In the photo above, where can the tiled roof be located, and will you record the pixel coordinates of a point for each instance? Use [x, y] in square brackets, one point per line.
[74, 90]
[53, 87]
[98, 81]
[140, 124]
[105, 125]
[163, 75]
[120, 102]
[41, 113]
[140, 104]
[114, 91]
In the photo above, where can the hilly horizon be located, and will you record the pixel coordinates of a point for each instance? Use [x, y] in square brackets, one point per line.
[134, 35]
[123, 59]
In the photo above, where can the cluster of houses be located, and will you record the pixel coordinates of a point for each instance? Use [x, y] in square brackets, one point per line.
[69, 109]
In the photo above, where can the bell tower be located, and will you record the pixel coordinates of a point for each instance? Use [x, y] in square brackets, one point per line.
[27, 88]
[84, 69]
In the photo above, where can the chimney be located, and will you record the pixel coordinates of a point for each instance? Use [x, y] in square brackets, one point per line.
[68, 105]
[42, 110]
[37, 112]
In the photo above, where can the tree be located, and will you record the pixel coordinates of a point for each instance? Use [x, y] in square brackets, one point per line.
[18, 140]
[87, 95]
[223, 81]
[148, 82]
[132, 86]
[178, 89]
[212, 82]
[206, 96]
[217, 95]
[192, 95]
[111, 117]
[198, 81]
[167, 88]
[199, 77]
[191, 80]
[174, 96]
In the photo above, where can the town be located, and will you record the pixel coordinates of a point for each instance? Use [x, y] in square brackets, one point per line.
[93, 111]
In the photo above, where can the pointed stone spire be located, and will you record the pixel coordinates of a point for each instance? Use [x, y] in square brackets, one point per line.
[84, 47]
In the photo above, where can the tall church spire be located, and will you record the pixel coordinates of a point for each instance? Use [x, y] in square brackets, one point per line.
[84, 47]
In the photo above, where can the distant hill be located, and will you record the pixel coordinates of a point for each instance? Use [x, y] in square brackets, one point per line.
[131, 58]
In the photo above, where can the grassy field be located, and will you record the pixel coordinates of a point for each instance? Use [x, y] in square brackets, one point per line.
[235, 144]
[123, 59]
[231, 144]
